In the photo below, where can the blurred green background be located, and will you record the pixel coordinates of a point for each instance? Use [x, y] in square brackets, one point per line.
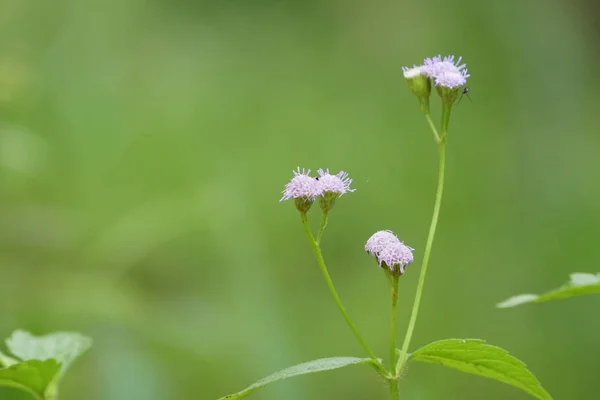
[144, 145]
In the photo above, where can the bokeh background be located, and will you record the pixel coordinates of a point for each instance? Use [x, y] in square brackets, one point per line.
[144, 145]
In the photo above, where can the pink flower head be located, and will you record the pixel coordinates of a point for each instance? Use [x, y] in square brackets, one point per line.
[302, 186]
[379, 241]
[337, 184]
[446, 72]
[451, 80]
[389, 251]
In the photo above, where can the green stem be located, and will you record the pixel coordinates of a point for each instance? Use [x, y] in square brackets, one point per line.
[322, 227]
[446, 109]
[392, 380]
[323, 267]
[433, 129]
[426, 255]
[52, 391]
[394, 297]
[393, 384]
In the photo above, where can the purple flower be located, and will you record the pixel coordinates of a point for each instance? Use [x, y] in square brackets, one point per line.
[396, 255]
[451, 80]
[331, 187]
[302, 186]
[379, 241]
[445, 71]
[389, 251]
[337, 184]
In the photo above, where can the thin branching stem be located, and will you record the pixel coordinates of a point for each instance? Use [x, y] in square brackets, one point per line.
[322, 227]
[427, 254]
[317, 250]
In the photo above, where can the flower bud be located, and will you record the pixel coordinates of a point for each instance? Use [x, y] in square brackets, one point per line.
[420, 84]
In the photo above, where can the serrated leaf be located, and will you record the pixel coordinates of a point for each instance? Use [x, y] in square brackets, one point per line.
[322, 364]
[33, 376]
[476, 357]
[580, 283]
[64, 347]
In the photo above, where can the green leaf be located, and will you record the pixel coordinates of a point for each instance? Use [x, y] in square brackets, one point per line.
[64, 347]
[476, 357]
[6, 361]
[580, 283]
[32, 376]
[322, 364]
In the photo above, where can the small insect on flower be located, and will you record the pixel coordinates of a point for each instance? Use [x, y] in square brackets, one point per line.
[466, 91]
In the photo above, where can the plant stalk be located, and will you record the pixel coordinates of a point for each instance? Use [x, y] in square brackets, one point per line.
[322, 227]
[393, 381]
[393, 279]
[393, 385]
[317, 250]
[427, 254]
[432, 126]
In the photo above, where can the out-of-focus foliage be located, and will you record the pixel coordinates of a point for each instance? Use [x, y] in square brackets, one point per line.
[144, 146]
[578, 285]
[64, 347]
[33, 377]
[37, 363]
